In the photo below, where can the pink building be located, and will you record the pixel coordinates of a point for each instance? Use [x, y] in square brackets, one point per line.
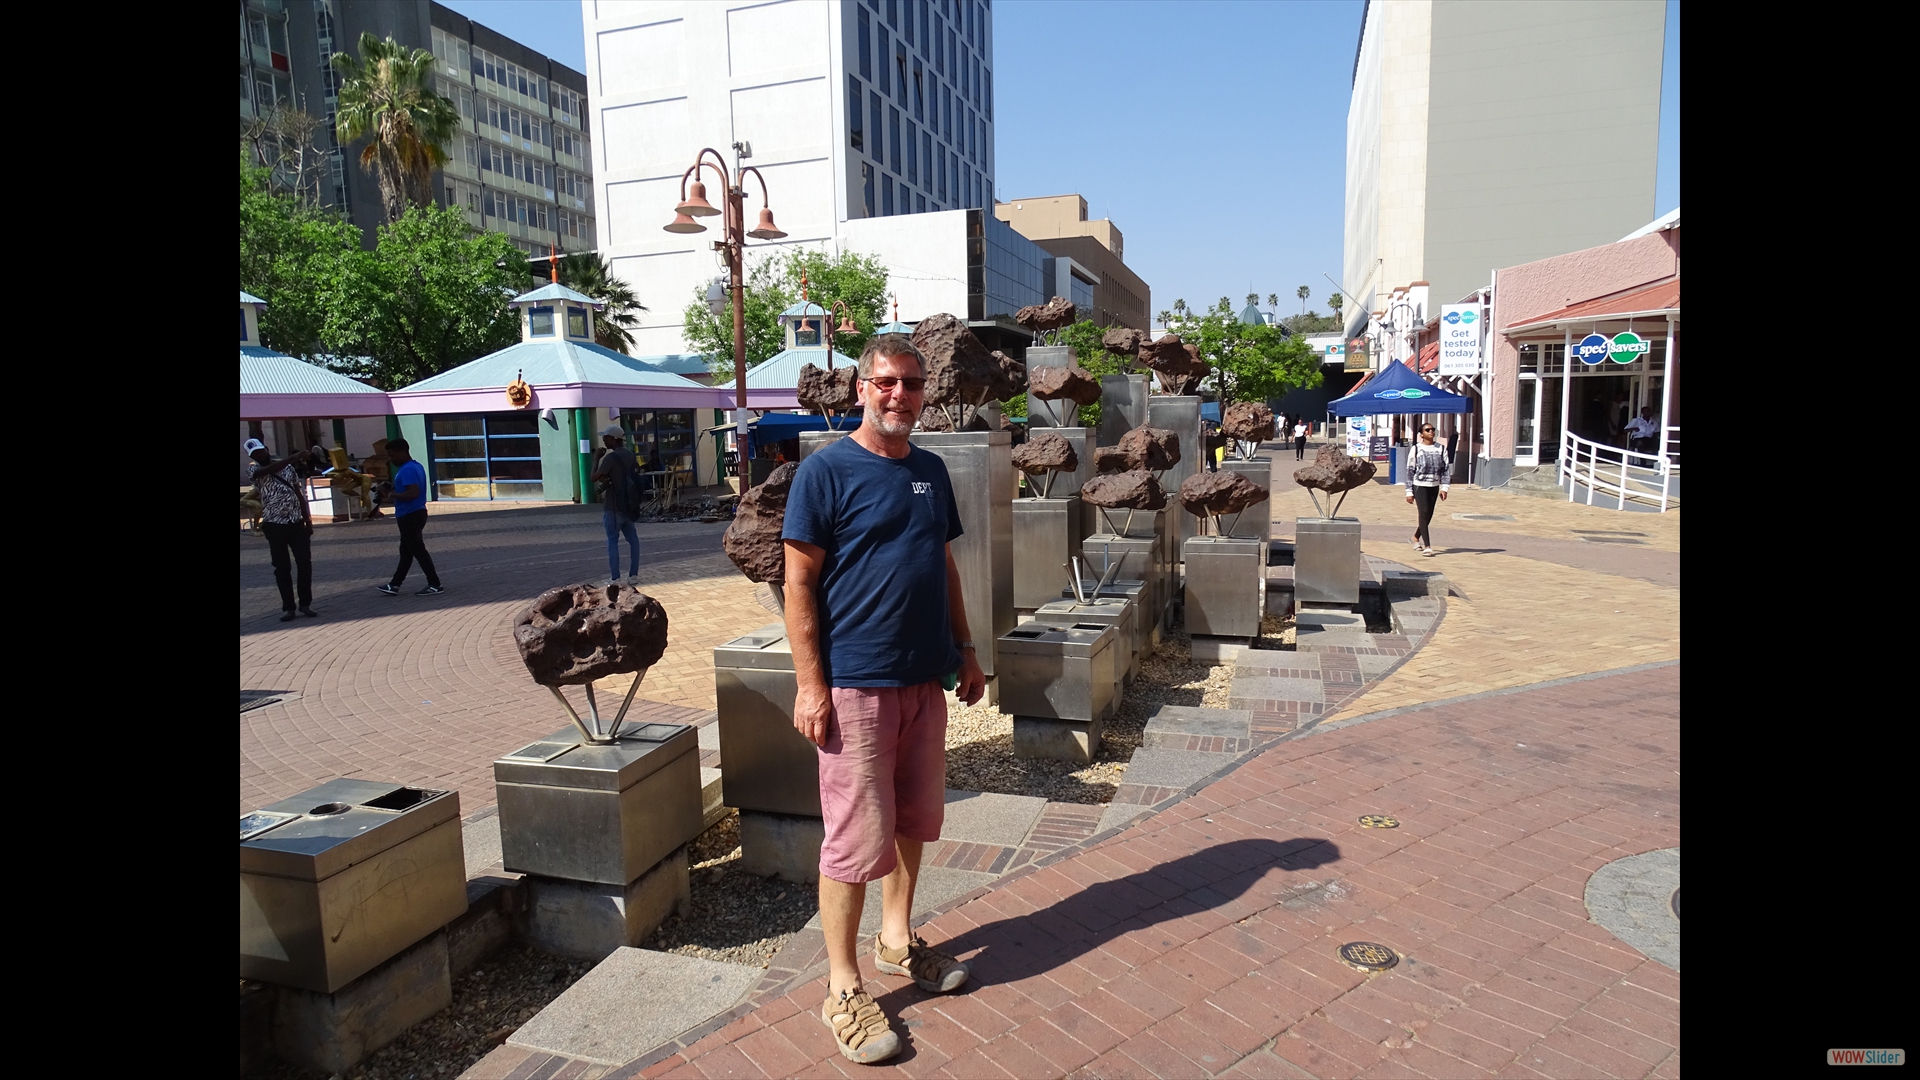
[1580, 344]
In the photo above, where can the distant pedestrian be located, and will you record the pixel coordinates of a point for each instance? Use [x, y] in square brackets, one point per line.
[1426, 479]
[619, 472]
[410, 513]
[1300, 440]
[288, 525]
[1645, 432]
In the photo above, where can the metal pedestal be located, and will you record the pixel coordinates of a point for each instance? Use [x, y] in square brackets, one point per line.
[818, 440]
[980, 465]
[1146, 557]
[1058, 685]
[1123, 406]
[322, 899]
[1255, 520]
[765, 764]
[1326, 561]
[1046, 537]
[1069, 483]
[1061, 413]
[1179, 414]
[1224, 578]
[1119, 612]
[591, 813]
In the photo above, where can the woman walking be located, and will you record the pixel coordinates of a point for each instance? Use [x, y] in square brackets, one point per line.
[1426, 479]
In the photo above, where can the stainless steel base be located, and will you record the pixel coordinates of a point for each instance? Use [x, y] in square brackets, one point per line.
[1119, 612]
[1040, 738]
[1179, 413]
[602, 814]
[1060, 413]
[1224, 579]
[1059, 672]
[1046, 536]
[766, 765]
[1326, 560]
[1123, 406]
[326, 897]
[784, 846]
[1255, 520]
[817, 440]
[1068, 483]
[1146, 633]
[980, 465]
[1146, 559]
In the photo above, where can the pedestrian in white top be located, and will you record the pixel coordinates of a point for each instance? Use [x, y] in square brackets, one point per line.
[1300, 441]
[1645, 432]
[1426, 478]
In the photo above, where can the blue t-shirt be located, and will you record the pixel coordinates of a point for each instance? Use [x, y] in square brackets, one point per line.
[885, 524]
[409, 474]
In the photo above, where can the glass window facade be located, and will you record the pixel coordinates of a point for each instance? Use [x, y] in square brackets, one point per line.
[485, 456]
[1004, 269]
[660, 438]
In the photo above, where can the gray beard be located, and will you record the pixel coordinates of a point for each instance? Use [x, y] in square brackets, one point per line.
[885, 425]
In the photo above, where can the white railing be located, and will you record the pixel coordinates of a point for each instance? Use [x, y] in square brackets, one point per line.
[1619, 474]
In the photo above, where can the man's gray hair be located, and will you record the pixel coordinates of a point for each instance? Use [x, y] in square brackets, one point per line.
[889, 345]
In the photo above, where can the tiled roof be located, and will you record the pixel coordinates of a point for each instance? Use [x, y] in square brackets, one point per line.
[781, 371]
[263, 371]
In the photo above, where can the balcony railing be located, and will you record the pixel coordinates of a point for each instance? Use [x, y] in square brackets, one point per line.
[1608, 472]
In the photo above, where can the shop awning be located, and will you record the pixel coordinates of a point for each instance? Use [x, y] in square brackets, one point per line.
[1647, 302]
[1396, 389]
[1429, 357]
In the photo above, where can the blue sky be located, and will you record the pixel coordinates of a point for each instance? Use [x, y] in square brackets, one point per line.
[1212, 133]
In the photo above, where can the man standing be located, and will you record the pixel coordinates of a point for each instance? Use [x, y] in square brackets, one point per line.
[1644, 432]
[287, 524]
[621, 474]
[410, 513]
[876, 621]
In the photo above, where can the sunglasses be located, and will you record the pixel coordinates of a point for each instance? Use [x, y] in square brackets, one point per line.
[886, 383]
[1426, 431]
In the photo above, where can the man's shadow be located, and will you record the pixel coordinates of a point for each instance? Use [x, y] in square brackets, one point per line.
[1015, 948]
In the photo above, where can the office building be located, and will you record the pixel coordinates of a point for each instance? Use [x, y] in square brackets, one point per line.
[852, 110]
[522, 162]
[1484, 134]
[1090, 258]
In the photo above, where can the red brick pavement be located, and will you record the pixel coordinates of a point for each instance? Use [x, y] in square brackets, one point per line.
[1202, 942]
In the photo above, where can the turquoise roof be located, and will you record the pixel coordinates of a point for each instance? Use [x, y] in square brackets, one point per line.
[553, 362]
[807, 308]
[1252, 317]
[781, 371]
[894, 328]
[554, 292]
[678, 363]
[248, 298]
[263, 371]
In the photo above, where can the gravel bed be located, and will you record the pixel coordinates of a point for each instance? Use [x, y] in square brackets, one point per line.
[736, 917]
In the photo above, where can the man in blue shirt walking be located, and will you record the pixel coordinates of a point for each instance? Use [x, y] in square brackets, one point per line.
[410, 513]
[876, 622]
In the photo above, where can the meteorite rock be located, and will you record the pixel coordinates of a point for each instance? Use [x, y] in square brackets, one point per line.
[1045, 453]
[1249, 421]
[752, 541]
[1045, 318]
[1151, 448]
[935, 418]
[1178, 365]
[1219, 493]
[1010, 377]
[832, 390]
[1112, 459]
[960, 370]
[1136, 490]
[1073, 382]
[1122, 340]
[1333, 471]
[578, 633]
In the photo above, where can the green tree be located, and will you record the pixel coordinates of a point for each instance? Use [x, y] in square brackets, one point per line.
[292, 255]
[1311, 322]
[589, 275]
[1334, 302]
[431, 295]
[1303, 292]
[387, 96]
[1251, 363]
[773, 285]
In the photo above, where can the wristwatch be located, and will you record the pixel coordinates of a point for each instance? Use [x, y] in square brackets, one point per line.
[964, 645]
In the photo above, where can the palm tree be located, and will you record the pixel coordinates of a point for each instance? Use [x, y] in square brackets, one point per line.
[387, 93]
[1334, 302]
[1302, 292]
[613, 324]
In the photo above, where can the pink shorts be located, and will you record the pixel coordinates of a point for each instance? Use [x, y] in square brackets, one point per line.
[883, 773]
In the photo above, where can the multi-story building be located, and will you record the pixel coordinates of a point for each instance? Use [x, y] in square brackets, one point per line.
[852, 109]
[1089, 256]
[1484, 134]
[521, 164]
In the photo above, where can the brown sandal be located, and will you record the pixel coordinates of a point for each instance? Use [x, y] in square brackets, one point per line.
[859, 1027]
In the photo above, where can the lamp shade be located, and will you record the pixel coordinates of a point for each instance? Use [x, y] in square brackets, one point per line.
[766, 230]
[696, 204]
[684, 224]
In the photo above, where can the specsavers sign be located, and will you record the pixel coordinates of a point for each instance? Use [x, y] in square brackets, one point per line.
[1622, 348]
[1460, 339]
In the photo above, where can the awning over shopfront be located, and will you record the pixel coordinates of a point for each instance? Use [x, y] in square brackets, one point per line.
[564, 375]
[1398, 390]
[1654, 302]
[275, 386]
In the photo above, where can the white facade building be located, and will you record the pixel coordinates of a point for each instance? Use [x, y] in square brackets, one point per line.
[853, 109]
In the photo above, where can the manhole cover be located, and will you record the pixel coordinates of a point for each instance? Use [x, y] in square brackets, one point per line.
[1675, 903]
[1378, 821]
[1368, 956]
[1611, 540]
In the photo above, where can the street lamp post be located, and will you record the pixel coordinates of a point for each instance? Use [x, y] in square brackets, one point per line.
[693, 204]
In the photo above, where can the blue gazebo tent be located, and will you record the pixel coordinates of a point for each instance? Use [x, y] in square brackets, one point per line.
[1396, 390]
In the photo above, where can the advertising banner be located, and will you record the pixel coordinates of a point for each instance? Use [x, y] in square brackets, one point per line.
[1460, 339]
[1358, 445]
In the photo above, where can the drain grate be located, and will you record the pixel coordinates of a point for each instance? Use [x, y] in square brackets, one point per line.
[1368, 956]
[1378, 821]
